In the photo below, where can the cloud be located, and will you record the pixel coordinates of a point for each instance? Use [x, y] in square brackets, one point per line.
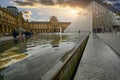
[112, 2]
[24, 3]
[108, 2]
[63, 3]
[55, 1]
[40, 19]
[27, 14]
[33, 3]
[40, 13]
[43, 14]
[39, 3]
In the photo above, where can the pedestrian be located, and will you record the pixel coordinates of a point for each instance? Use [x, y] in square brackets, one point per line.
[20, 36]
[79, 31]
[14, 33]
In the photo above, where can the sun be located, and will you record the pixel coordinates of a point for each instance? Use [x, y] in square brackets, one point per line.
[74, 12]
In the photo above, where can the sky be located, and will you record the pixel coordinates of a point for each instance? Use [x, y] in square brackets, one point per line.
[64, 10]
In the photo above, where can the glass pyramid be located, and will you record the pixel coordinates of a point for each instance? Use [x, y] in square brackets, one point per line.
[93, 17]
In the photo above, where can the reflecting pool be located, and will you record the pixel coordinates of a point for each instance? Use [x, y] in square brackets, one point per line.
[12, 51]
[33, 57]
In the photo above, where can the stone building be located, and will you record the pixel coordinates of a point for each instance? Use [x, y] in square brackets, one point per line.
[51, 26]
[10, 18]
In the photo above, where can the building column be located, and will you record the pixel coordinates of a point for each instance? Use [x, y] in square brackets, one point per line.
[6, 29]
[0, 28]
[3, 29]
[10, 29]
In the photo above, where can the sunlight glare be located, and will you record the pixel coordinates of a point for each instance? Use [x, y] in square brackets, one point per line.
[74, 12]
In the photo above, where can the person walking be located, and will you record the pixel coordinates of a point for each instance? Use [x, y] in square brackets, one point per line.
[14, 33]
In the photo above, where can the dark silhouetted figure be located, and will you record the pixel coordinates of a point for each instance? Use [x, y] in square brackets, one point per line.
[79, 31]
[15, 33]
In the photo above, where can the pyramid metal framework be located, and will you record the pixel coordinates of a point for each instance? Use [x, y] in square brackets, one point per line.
[94, 16]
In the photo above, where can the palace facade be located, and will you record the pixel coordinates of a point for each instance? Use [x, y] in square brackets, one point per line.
[53, 25]
[11, 18]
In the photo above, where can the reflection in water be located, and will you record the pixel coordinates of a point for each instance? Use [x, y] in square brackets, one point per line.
[22, 46]
[5, 46]
[55, 42]
[11, 54]
[41, 55]
[13, 51]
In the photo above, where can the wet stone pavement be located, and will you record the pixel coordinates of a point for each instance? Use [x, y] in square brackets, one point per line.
[4, 38]
[112, 39]
[99, 62]
[41, 53]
